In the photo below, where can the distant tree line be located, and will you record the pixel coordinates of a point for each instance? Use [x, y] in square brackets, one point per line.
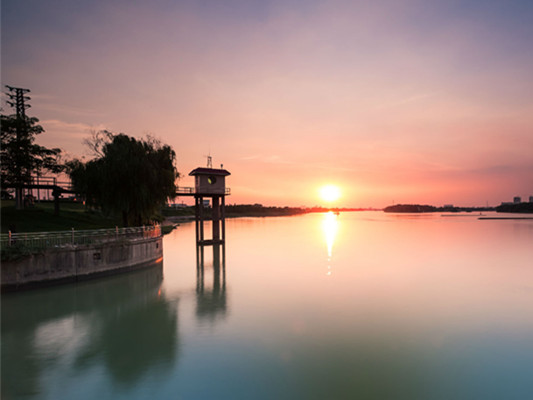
[418, 208]
[410, 208]
[516, 208]
[251, 210]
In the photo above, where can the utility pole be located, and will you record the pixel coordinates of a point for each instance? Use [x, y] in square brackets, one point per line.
[17, 100]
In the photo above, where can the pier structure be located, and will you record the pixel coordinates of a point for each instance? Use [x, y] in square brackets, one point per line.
[210, 185]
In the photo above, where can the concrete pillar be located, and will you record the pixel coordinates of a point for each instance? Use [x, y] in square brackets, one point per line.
[223, 218]
[215, 200]
[197, 218]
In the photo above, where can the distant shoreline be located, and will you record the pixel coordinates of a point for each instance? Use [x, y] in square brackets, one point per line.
[253, 210]
[280, 212]
[505, 218]
[517, 208]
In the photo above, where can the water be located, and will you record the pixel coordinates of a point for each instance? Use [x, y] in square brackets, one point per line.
[361, 305]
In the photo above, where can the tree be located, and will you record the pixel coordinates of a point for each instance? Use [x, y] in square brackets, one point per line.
[20, 156]
[131, 177]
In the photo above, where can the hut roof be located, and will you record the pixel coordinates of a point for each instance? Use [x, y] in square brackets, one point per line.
[209, 171]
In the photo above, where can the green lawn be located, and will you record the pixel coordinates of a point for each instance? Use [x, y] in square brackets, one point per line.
[41, 218]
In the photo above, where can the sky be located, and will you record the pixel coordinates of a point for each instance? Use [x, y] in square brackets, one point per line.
[404, 101]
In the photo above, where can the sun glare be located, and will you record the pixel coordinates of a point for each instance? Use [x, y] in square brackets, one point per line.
[330, 193]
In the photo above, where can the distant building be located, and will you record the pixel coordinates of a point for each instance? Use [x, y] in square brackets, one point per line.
[517, 199]
[448, 205]
[531, 199]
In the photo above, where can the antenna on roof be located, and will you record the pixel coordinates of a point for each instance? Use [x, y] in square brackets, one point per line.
[209, 159]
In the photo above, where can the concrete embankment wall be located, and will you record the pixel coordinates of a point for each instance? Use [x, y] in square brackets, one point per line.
[73, 263]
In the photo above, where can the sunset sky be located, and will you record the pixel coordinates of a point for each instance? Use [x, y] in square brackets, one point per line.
[405, 101]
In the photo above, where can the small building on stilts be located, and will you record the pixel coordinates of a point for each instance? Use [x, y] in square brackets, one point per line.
[210, 184]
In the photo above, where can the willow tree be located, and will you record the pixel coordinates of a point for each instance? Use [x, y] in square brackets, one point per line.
[131, 177]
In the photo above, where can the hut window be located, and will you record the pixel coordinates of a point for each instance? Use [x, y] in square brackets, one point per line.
[211, 180]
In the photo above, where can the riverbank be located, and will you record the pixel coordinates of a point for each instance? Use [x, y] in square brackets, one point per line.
[41, 218]
[34, 260]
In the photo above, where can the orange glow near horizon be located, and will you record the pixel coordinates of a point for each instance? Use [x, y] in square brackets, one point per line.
[362, 95]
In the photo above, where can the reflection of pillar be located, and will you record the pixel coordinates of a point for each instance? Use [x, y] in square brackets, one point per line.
[211, 302]
[219, 263]
[199, 269]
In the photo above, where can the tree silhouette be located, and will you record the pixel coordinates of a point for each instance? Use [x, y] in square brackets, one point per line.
[131, 177]
[20, 156]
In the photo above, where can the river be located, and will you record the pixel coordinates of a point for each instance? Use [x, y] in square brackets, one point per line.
[361, 305]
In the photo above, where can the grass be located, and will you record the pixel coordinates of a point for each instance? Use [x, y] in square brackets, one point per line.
[41, 218]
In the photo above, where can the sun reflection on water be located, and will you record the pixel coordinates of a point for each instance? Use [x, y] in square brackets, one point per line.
[330, 226]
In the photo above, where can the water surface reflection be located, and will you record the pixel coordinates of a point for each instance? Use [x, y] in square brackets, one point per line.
[417, 308]
[211, 301]
[122, 323]
[330, 225]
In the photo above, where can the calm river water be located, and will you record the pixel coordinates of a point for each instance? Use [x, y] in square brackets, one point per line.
[360, 305]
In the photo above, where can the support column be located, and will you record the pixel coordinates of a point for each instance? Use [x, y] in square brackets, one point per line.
[215, 200]
[197, 218]
[201, 214]
[223, 218]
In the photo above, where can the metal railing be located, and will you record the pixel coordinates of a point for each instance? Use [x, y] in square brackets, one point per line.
[44, 240]
[184, 190]
[50, 180]
[191, 190]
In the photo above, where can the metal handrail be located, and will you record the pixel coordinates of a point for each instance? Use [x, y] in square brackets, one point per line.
[191, 190]
[185, 190]
[50, 180]
[43, 240]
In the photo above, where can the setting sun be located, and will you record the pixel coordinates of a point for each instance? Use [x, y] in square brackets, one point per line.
[330, 193]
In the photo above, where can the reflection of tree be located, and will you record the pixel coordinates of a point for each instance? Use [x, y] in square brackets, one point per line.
[17, 359]
[125, 321]
[133, 341]
[211, 302]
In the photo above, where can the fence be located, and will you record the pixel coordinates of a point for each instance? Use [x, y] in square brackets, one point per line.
[50, 180]
[191, 190]
[44, 240]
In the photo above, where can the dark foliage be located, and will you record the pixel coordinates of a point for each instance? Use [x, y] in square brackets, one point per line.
[131, 177]
[258, 210]
[410, 208]
[20, 156]
[516, 208]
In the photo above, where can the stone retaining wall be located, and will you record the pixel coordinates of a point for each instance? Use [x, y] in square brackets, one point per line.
[73, 263]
